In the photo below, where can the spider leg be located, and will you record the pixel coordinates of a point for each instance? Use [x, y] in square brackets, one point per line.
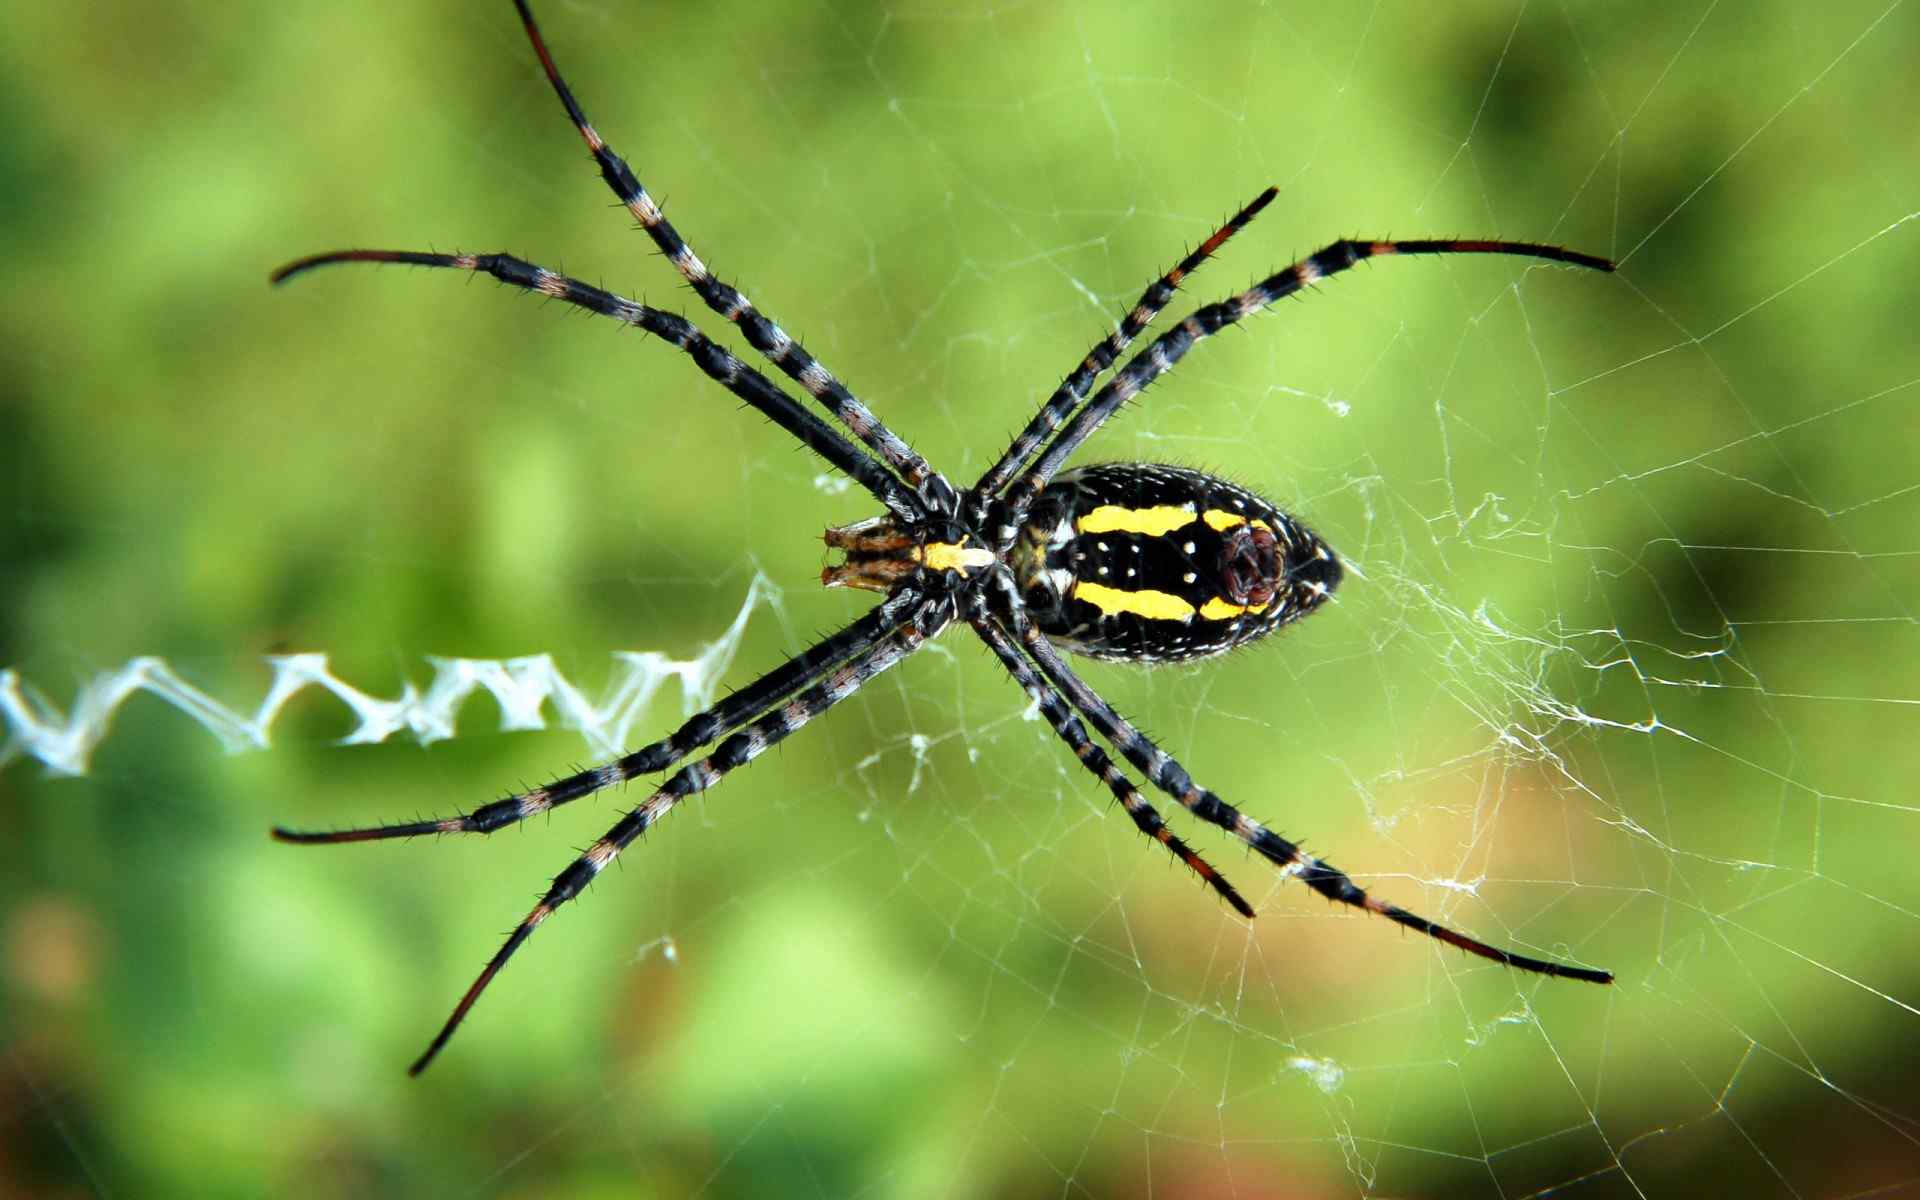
[1169, 776]
[779, 347]
[1091, 756]
[738, 749]
[1068, 395]
[719, 363]
[1160, 356]
[703, 727]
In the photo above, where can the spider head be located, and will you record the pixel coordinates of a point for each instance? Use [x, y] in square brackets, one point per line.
[882, 553]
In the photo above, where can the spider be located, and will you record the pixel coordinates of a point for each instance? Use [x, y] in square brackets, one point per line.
[1127, 561]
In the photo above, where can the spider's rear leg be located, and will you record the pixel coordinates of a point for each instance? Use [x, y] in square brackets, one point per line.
[740, 748]
[1333, 883]
[1074, 734]
[1165, 773]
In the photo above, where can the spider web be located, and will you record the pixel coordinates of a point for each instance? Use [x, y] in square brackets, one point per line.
[1622, 673]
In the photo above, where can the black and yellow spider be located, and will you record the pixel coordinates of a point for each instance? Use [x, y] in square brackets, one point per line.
[1133, 562]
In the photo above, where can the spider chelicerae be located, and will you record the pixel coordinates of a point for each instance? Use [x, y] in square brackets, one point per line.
[1134, 562]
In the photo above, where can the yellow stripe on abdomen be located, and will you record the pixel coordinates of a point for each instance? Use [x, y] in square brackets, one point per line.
[1155, 606]
[1221, 520]
[1217, 609]
[1157, 521]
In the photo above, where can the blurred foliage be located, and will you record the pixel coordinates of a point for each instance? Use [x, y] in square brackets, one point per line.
[1630, 644]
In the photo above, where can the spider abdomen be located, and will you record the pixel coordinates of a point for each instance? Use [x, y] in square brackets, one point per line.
[1152, 563]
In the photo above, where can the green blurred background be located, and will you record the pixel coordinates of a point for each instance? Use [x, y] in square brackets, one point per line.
[1624, 672]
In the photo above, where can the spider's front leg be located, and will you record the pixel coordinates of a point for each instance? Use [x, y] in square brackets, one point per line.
[715, 360]
[1065, 398]
[1166, 351]
[778, 346]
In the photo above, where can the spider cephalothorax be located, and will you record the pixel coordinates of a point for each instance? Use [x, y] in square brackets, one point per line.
[886, 553]
[1129, 561]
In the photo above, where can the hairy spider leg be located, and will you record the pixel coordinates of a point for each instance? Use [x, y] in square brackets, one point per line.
[779, 347]
[738, 749]
[1073, 388]
[1160, 356]
[1094, 759]
[719, 363]
[1166, 773]
[703, 727]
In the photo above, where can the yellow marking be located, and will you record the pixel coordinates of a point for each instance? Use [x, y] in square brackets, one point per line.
[946, 556]
[1157, 521]
[1217, 609]
[1221, 520]
[1156, 606]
